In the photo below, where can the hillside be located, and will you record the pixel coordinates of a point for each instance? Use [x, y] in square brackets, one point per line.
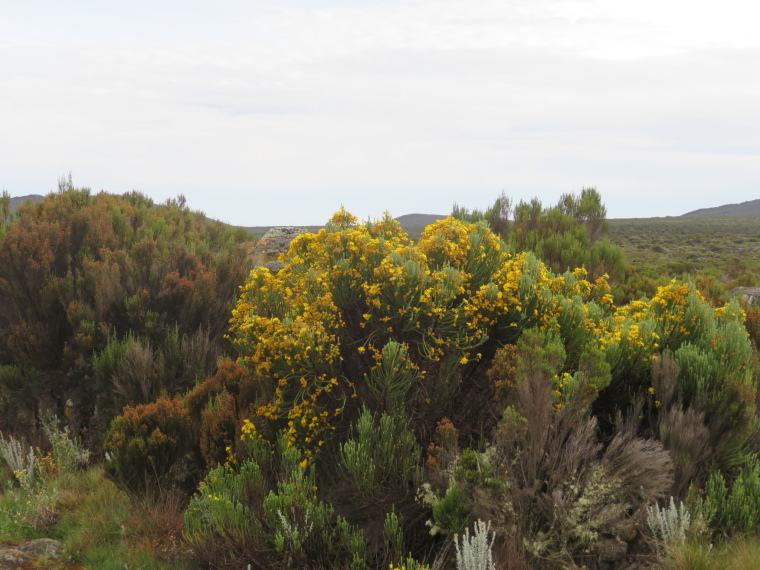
[419, 219]
[750, 208]
[726, 247]
[18, 200]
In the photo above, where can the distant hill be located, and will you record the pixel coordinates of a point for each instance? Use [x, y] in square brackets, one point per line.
[751, 208]
[419, 219]
[18, 200]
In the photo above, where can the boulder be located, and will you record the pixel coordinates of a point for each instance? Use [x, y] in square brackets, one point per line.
[17, 556]
[275, 242]
[751, 294]
[611, 549]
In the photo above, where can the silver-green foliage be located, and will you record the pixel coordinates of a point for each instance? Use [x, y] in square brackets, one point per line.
[669, 525]
[68, 453]
[20, 458]
[475, 552]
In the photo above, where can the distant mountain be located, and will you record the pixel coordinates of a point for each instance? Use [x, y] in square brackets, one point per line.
[751, 208]
[419, 219]
[18, 200]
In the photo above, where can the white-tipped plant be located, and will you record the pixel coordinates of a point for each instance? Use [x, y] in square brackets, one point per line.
[475, 551]
[669, 525]
[20, 458]
[68, 453]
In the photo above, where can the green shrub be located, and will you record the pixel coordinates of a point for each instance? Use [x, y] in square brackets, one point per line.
[450, 514]
[734, 508]
[68, 453]
[381, 458]
[238, 518]
[365, 348]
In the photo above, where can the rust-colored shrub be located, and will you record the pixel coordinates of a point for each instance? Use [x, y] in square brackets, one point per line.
[146, 443]
[444, 447]
[218, 422]
[503, 373]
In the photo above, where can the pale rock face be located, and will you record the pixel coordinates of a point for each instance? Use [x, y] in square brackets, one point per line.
[272, 244]
[19, 556]
[752, 294]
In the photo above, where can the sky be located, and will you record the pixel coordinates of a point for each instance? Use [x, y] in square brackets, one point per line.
[279, 113]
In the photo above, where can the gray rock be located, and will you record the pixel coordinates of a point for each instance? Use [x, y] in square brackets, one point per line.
[12, 557]
[273, 244]
[751, 294]
[611, 549]
[284, 231]
[17, 556]
[274, 266]
[41, 547]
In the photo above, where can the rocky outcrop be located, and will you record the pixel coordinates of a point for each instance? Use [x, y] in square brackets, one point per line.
[29, 554]
[276, 241]
[751, 294]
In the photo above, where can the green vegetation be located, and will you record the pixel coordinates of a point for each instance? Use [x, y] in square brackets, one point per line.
[725, 249]
[470, 399]
[567, 235]
[99, 524]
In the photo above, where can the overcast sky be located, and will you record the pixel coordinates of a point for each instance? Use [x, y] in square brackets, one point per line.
[265, 113]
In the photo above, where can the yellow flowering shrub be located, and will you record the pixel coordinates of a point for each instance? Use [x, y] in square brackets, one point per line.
[316, 331]
[363, 330]
[710, 346]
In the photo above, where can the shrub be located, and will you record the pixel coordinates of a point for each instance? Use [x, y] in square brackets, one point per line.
[218, 429]
[381, 459]
[565, 236]
[366, 349]
[34, 505]
[68, 454]
[79, 271]
[147, 443]
[237, 518]
[669, 525]
[475, 551]
[734, 508]
[450, 513]
[563, 488]
[20, 458]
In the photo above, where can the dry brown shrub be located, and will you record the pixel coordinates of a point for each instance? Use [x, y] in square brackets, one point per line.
[685, 435]
[158, 524]
[665, 378]
[564, 489]
[137, 380]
